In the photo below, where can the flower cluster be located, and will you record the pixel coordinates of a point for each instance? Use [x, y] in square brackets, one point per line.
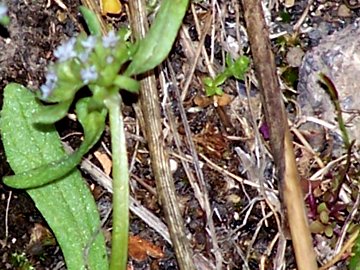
[84, 60]
[3, 10]
[4, 19]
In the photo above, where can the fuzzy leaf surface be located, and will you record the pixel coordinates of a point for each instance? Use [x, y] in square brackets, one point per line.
[93, 124]
[66, 204]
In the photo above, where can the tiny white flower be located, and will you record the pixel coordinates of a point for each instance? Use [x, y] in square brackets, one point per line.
[109, 59]
[89, 74]
[89, 43]
[110, 39]
[66, 50]
[49, 86]
[84, 56]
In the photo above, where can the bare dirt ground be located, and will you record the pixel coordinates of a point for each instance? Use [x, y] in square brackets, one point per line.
[229, 137]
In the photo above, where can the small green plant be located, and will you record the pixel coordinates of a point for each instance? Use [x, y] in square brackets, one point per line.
[323, 224]
[334, 96]
[19, 261]
[233, 68]
[331, 197]
[285, 16]
[66, 204]
[91, 62]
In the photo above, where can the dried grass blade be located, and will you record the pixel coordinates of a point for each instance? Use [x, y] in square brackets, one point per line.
[280, 137]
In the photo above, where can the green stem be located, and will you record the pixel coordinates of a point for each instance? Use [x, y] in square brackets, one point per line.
[335, 100]
[120, 174]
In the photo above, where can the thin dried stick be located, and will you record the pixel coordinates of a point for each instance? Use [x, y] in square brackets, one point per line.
[159, 157]
[7, 216]
[203, 49]
[303, 16]
[280, 137]
[176, 136]
[308, 147]
[347, 222]
[216, 167]
[195, 60]
[201, 181]
[319, 174]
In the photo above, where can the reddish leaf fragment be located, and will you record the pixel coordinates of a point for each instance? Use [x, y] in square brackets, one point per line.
[140, 249]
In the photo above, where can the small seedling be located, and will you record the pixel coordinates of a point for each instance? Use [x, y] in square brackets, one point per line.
[236, 69]
[19, 261]
[332, 196]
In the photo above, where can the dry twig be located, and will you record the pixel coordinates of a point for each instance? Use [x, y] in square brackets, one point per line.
[203, 194]
[159, 157]
[280, 137]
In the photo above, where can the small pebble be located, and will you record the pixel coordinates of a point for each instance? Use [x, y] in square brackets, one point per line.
[173, 165]
[344, 11]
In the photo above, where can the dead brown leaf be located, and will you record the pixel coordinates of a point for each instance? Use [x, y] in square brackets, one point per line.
[202, 101]
[140, 249]
[40, 237]
[105, 162]
[223, 100]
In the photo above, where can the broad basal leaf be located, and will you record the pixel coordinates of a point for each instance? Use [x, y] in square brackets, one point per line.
[66, 204]
[93, 124]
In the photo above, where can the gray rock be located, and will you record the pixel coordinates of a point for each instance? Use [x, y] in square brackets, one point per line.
[338, 57]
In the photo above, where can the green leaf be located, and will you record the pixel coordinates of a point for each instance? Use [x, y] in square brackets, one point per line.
[212, 85]
[213, 90]
[208, 81]
[220, 79]
[355, 260]
[67, 204]
[240, 67]
[52, 113]
[69, 81]
[290, 75]
[155, 47]
[92, 121]
[228, 60]
[219, 91]
[93, 124]
[127, 83]
[235, 69]
[108, 73]
[91, 21]
[5, 20]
